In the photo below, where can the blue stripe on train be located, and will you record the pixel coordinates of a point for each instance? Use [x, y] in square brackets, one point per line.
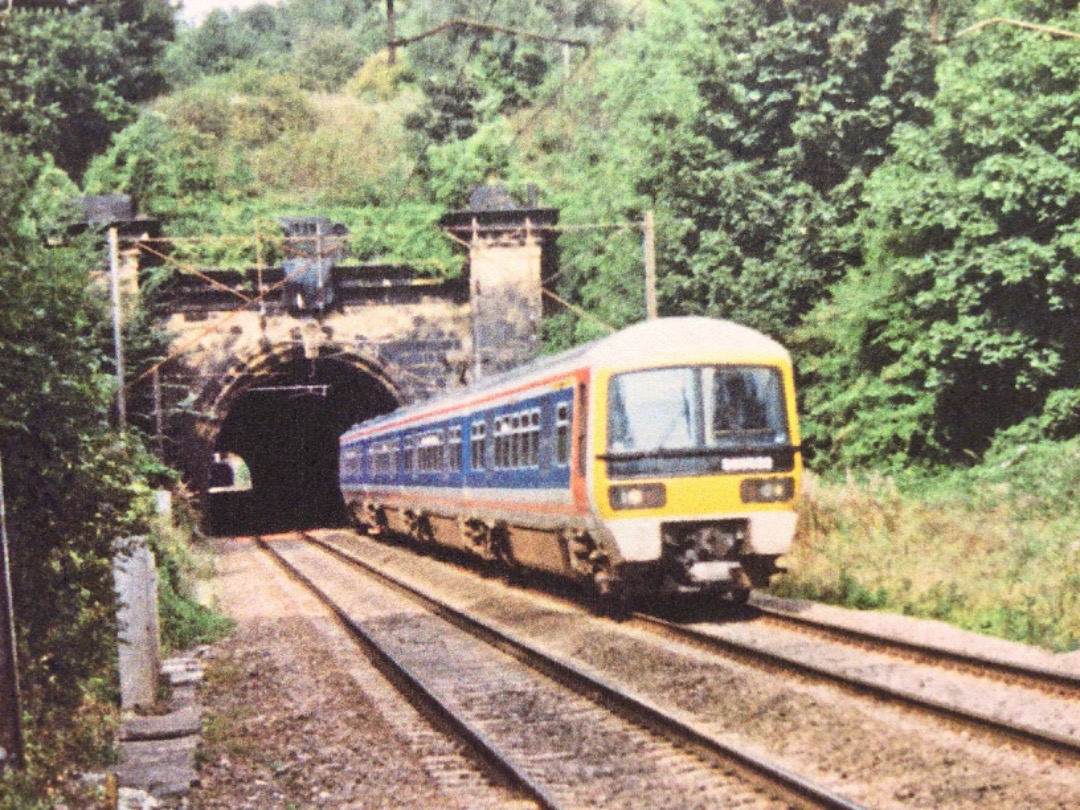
[547, 475]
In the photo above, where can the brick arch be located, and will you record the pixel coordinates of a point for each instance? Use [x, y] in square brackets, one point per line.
[196, 431]
[218, 396]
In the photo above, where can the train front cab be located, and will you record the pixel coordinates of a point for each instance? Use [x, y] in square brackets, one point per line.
[696, 472]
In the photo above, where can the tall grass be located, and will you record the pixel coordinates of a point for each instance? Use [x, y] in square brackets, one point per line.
[995, 548]
[182, 561]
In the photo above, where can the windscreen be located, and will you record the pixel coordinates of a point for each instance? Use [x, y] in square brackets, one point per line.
[696, 409]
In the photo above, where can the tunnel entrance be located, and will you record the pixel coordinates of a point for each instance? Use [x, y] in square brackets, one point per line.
[285, 425]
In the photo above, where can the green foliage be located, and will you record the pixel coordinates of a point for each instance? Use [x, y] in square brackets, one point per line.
[353, 155]
[56, 757]
[377, 80]
[991, 548]
[322, 42]
[471, 76]
[142, 31]
[70, 482]
[251, 107]
[182, 562]
[185, 621]
[57, 84]
[168, 171]
[964, 320]
[232, 155]
[405, 234]
[67, 80]
[325, 59]
[73, 488]
[460, 165]
[796, 106]
[750, 130]
[255, 37]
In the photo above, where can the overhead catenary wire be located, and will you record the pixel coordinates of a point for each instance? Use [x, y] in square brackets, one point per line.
[579, 310]
[193, 341]
[993, 21]
[484, 24]
[195, 272]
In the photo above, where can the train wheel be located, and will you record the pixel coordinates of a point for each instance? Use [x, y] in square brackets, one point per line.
[610, 598]
[737, 597]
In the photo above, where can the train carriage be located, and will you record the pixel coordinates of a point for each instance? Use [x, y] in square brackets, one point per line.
[663, 459]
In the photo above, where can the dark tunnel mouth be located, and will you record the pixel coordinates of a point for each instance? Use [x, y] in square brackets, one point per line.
[285, 425]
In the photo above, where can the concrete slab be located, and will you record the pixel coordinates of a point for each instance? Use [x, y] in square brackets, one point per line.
[180, 723]
[182, 697]
[160, 767]
[132, 799]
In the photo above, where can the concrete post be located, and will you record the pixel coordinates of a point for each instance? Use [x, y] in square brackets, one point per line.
[136, 580]
[509, 249]
[163, 503]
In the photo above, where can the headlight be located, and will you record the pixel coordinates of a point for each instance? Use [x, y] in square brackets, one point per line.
[637, 496]
[767, 490]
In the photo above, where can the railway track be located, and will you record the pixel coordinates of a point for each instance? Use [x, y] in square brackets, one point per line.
[1042, 678]
[992, 696]
[984, 694]
[562, 735]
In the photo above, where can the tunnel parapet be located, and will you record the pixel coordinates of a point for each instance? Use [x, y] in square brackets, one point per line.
[386, 337]
[512, 249]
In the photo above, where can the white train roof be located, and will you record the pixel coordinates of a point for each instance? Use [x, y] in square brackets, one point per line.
[670, 339]
[662, 341]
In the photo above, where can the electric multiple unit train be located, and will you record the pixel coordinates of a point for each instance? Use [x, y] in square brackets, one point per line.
[661, 460]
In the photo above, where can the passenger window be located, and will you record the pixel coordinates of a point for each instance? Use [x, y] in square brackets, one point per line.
[477, 445]
[454, 449]
[532, 458]
[562, 434]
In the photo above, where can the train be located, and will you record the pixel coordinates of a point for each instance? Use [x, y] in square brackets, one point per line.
[660, 462]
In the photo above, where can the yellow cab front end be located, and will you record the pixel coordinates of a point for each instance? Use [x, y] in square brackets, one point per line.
[696, 469]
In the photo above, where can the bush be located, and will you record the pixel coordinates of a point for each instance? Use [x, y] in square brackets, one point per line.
[377, 80]
[185, 621]
[991, 549]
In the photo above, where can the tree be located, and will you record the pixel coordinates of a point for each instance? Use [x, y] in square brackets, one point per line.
[68, 80]
[71, 483]
[475, 73]
[750, 128]
[57, 91]
[797, 105]
[168, 172]
[964, 319]
[142, 31]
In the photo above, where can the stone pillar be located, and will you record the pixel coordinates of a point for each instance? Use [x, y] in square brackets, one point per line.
[136, 580]
[510, 248]
[504, 285]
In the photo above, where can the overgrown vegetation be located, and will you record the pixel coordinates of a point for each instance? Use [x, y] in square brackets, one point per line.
[73, 485]
[992, 549]
[184, 564]
[903, 213]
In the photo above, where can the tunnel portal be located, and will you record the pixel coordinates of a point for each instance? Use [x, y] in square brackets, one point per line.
[284, 422]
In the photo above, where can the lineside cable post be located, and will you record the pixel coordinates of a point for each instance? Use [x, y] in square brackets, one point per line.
[11, 737]
[649, 239]
[118, 338]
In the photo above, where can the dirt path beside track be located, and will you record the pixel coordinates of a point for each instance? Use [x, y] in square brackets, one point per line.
[295, 717]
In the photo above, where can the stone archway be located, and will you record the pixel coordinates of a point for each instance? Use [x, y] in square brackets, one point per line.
[281, 411]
